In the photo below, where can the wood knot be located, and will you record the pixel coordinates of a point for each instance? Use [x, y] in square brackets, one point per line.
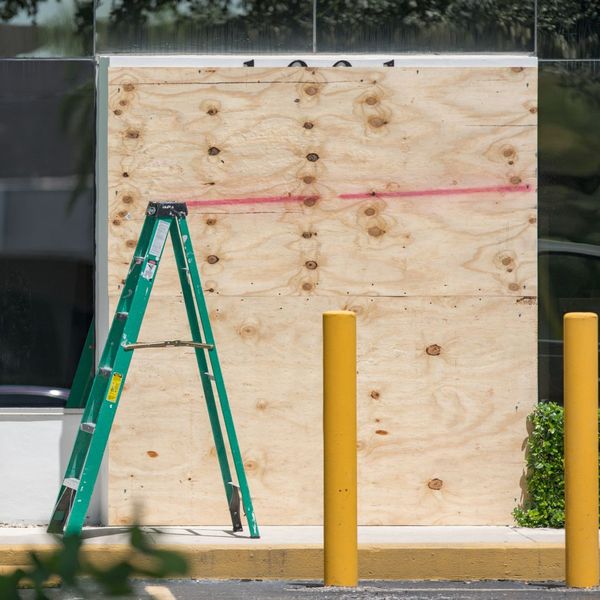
[514, 287]
[381, 432]
[152, 453]
[308, 179]
[123, 102]
[375, 394]
[311, 264]
[116, 222]
[212, 111]
[311, 90]
[129, 87]
[532, 220]
[131, 243]
[312, 156]
[533, 110]
[435, 484]
[125, 174]
[127, 199]
[307, 234]
[515, 180]
[117, 112]
[250, 465]
[371, 100]
[507, 260]
[433, 350]
[508, 151]
[213, 151]
[516, 69]
[211, 259]
[308, 125]
[211, 221]
[375, 231]
[370, 211]
[377, 122]
[132, 134]
[261, 405]
[247, 330]
[307, 287]
[311, 201]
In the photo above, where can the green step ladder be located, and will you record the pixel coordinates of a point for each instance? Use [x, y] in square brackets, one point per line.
[100, 392]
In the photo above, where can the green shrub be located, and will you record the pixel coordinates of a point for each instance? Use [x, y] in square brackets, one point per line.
[544, 505]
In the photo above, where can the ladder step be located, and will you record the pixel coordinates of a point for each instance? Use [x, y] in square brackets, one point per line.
[71, 482]
[209, 375]
[105, 371]
[167, 344]
[88, 427]
[122, 316]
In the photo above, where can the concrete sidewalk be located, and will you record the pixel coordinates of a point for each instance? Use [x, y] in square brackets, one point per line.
[416, 553]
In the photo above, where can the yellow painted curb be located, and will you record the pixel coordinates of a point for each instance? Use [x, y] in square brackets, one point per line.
[531, 562]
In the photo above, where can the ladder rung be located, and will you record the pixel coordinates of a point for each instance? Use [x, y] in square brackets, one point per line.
[122, 316]
[71, 482]
[88, 427]
[105, 371]
[209, 375]
[167, 344]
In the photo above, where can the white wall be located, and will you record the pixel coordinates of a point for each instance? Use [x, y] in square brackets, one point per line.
[35, 445]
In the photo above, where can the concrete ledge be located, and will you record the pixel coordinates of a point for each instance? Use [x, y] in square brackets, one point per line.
[296, 553]
[427, 562]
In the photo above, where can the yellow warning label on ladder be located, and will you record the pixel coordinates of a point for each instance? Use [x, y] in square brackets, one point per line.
[115, 386]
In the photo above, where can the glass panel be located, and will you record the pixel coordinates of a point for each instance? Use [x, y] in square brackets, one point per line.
[569, 206]
[47, 132]
[568, 29]
[204, 26]
[46, 28]
[425, 26]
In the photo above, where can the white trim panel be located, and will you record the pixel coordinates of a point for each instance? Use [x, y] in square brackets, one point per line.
[324, 60]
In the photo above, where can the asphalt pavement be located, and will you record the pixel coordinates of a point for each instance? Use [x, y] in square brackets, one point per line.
[369, 590]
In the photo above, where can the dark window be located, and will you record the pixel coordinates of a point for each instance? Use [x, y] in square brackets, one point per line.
[205, 26]
[47, 137]
[569, 206]
[425, 26]
[46, 28]
[568, 28]
[349, 26]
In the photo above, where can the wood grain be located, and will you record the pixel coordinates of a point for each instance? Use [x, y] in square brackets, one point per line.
[443, 283]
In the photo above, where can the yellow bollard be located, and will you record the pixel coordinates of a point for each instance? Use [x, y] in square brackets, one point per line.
[581, 448]
[339, 446]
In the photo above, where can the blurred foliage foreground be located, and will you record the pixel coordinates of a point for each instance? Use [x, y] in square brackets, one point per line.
[77, 573]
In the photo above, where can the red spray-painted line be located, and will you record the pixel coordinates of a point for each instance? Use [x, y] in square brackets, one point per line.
[438, 192]
[399, 194]
[255, 200]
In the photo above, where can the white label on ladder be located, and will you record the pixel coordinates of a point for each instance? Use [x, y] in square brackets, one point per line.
[160, 236]
[148, 272]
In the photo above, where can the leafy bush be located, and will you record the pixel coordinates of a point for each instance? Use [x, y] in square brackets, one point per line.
[77, 573]
[544, 505]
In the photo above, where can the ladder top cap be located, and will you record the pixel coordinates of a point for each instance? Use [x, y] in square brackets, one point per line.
[167, 209]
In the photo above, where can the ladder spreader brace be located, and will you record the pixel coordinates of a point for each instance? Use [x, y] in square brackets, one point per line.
[100, 392]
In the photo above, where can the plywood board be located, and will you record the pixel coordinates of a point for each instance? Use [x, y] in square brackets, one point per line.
[407, 195]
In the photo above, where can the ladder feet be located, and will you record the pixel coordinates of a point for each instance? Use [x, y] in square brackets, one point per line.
[234, 508]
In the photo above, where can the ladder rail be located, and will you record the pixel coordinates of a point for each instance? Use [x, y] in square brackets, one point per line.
[219, 382]
[209, 397]
[88, 451]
